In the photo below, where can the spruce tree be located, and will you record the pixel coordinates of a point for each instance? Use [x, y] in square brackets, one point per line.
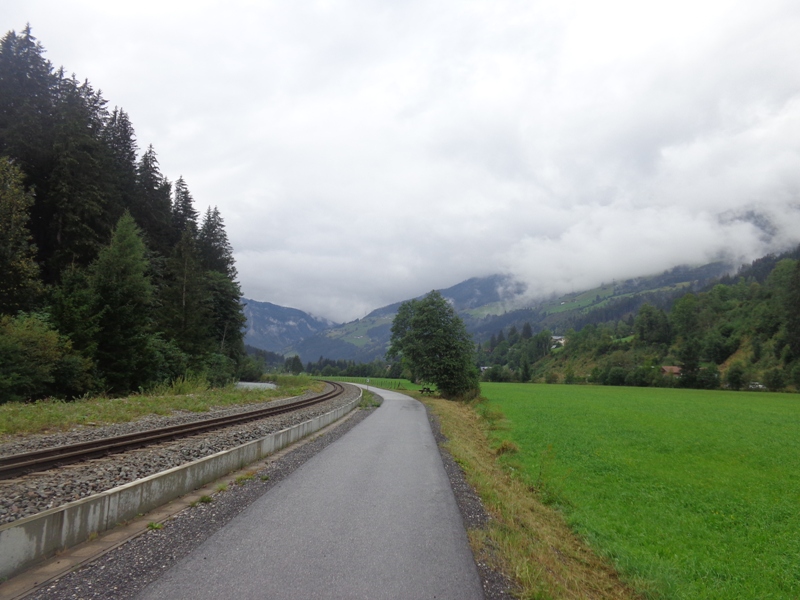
[120, 139]
[153, 208]
[216, 252]
[527, 332]
[122, 297]
[26, 104]
[184, 215]
[75, 204]
[185, 300]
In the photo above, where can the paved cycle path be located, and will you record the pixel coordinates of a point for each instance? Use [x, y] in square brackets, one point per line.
[371, 516]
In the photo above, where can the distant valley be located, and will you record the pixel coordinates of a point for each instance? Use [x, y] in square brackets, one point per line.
[486, 304]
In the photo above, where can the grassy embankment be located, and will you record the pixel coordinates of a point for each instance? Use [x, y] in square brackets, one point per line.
[182, 395]
[691, 494]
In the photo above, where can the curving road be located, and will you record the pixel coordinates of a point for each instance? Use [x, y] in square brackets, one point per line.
[373, 516]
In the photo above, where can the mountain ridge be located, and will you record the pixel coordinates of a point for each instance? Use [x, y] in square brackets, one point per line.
[279, 328]
[486, 304]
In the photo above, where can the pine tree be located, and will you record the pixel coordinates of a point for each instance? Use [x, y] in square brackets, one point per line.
[527, 332]
[120, 139]
[72, 309]
[216, 252]
[26, 104]
[226, 315]
[19, 273]
[184, 215]
[75, 206]
[153, 209]
[122, 296]
[185, 299]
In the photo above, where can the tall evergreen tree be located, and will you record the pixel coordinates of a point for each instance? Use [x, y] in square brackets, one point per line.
[120, 139]
[26, 104]
[184, 215]
[185, 299]
[226, 314]
[216, 255]
[216, 251]
[153, 210]
[122, 296]
[76, 205]
[19, 273]
[527, 332]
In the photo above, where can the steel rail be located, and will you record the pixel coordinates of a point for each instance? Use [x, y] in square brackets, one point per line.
[38, 460]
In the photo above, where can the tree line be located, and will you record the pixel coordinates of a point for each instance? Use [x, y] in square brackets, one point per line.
[110, 279]
[742, 332]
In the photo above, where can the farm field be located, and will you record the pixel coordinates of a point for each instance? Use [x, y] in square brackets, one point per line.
[691, 494]
[382, 382]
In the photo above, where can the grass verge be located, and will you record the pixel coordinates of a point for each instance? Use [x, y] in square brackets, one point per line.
[368, 400]
[525, 539]
[183, 395]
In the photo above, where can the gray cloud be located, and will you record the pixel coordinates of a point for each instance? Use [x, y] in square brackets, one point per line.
[363, 153]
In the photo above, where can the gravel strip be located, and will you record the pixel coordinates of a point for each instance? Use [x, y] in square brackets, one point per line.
[36, 492]
[496, 586]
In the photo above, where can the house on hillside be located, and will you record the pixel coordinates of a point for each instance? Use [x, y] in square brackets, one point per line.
[671, 371]
[557, 341]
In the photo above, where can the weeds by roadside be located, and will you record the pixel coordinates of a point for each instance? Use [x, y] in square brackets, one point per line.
[368, 400]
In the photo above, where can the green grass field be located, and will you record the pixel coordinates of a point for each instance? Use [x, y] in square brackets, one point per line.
[381, 382]
[692, 494]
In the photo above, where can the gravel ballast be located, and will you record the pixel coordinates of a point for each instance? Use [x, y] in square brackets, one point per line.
[37, 492]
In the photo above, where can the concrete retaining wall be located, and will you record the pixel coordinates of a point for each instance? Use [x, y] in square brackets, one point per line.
[32, 539]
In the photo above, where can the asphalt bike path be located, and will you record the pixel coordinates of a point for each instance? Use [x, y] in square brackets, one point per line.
[372, 516]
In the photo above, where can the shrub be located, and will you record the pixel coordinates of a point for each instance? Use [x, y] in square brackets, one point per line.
[616, 376]
[735, 377]
[774, 380]
[36, 361]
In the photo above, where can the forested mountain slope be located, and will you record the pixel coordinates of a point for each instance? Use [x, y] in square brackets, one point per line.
[742, 331]
[110, 279]
[277, 328]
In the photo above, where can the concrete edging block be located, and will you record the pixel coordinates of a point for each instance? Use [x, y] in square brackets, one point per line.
[27, 541]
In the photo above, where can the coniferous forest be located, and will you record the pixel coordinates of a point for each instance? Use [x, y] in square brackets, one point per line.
[111, 280]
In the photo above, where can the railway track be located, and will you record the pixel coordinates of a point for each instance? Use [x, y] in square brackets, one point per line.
[39, 460]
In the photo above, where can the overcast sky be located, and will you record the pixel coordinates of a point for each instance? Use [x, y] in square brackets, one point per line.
[363, 153]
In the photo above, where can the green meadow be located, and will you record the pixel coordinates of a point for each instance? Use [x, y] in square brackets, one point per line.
[381, 382]
[692, 494]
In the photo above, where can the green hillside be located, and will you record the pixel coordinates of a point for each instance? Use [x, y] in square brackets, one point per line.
[742, 331]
